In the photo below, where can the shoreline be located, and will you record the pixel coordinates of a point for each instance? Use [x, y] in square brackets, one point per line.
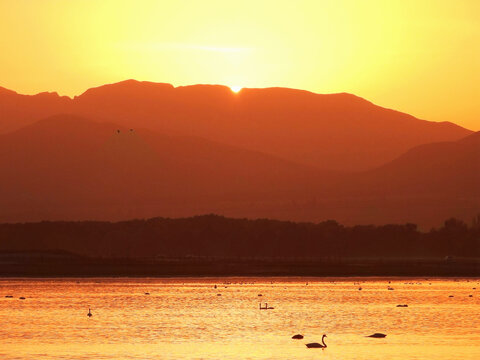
[70, 267]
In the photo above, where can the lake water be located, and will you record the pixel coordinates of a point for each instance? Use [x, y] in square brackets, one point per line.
[184, 318]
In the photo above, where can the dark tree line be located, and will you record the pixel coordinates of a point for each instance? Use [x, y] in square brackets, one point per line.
[217, 236]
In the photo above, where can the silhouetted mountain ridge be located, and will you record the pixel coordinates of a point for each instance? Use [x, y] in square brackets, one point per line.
[69, 168]
[448, 168]
[328, 131]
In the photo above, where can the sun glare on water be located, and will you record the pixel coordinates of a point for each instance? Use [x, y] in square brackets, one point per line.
[236, 89]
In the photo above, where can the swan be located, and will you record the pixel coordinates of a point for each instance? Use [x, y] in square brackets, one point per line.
[317, 345]
[89, 313]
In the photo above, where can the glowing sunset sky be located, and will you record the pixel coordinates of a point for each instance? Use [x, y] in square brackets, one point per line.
[421, 57]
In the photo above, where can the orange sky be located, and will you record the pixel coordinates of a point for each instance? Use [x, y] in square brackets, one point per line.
[421, 57]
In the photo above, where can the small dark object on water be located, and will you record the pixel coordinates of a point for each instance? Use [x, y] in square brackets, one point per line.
[22, 298]
[214, 286]
[402, 305]
[298, 336]
[359, 288]
[450, 295]
[260, 295]
[147, 293]
[470, 295]
[89, 313]
[317, 345]
[9, 296]
[266, 307]
[377, 335]
[219, 294]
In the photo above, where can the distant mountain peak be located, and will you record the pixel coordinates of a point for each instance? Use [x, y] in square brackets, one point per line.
[126, 86]
[7, 91]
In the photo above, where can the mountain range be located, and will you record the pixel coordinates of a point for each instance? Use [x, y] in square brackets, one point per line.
[140, 149]
[334, 131]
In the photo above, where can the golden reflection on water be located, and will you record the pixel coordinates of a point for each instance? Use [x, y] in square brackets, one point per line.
[184, 318]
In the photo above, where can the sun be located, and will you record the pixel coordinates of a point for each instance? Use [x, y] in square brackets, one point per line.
[235, 88]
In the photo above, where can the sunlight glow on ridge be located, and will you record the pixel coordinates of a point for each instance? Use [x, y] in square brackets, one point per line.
[235, 88]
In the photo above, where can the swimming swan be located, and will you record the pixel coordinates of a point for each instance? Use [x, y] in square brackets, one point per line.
[317, 345]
